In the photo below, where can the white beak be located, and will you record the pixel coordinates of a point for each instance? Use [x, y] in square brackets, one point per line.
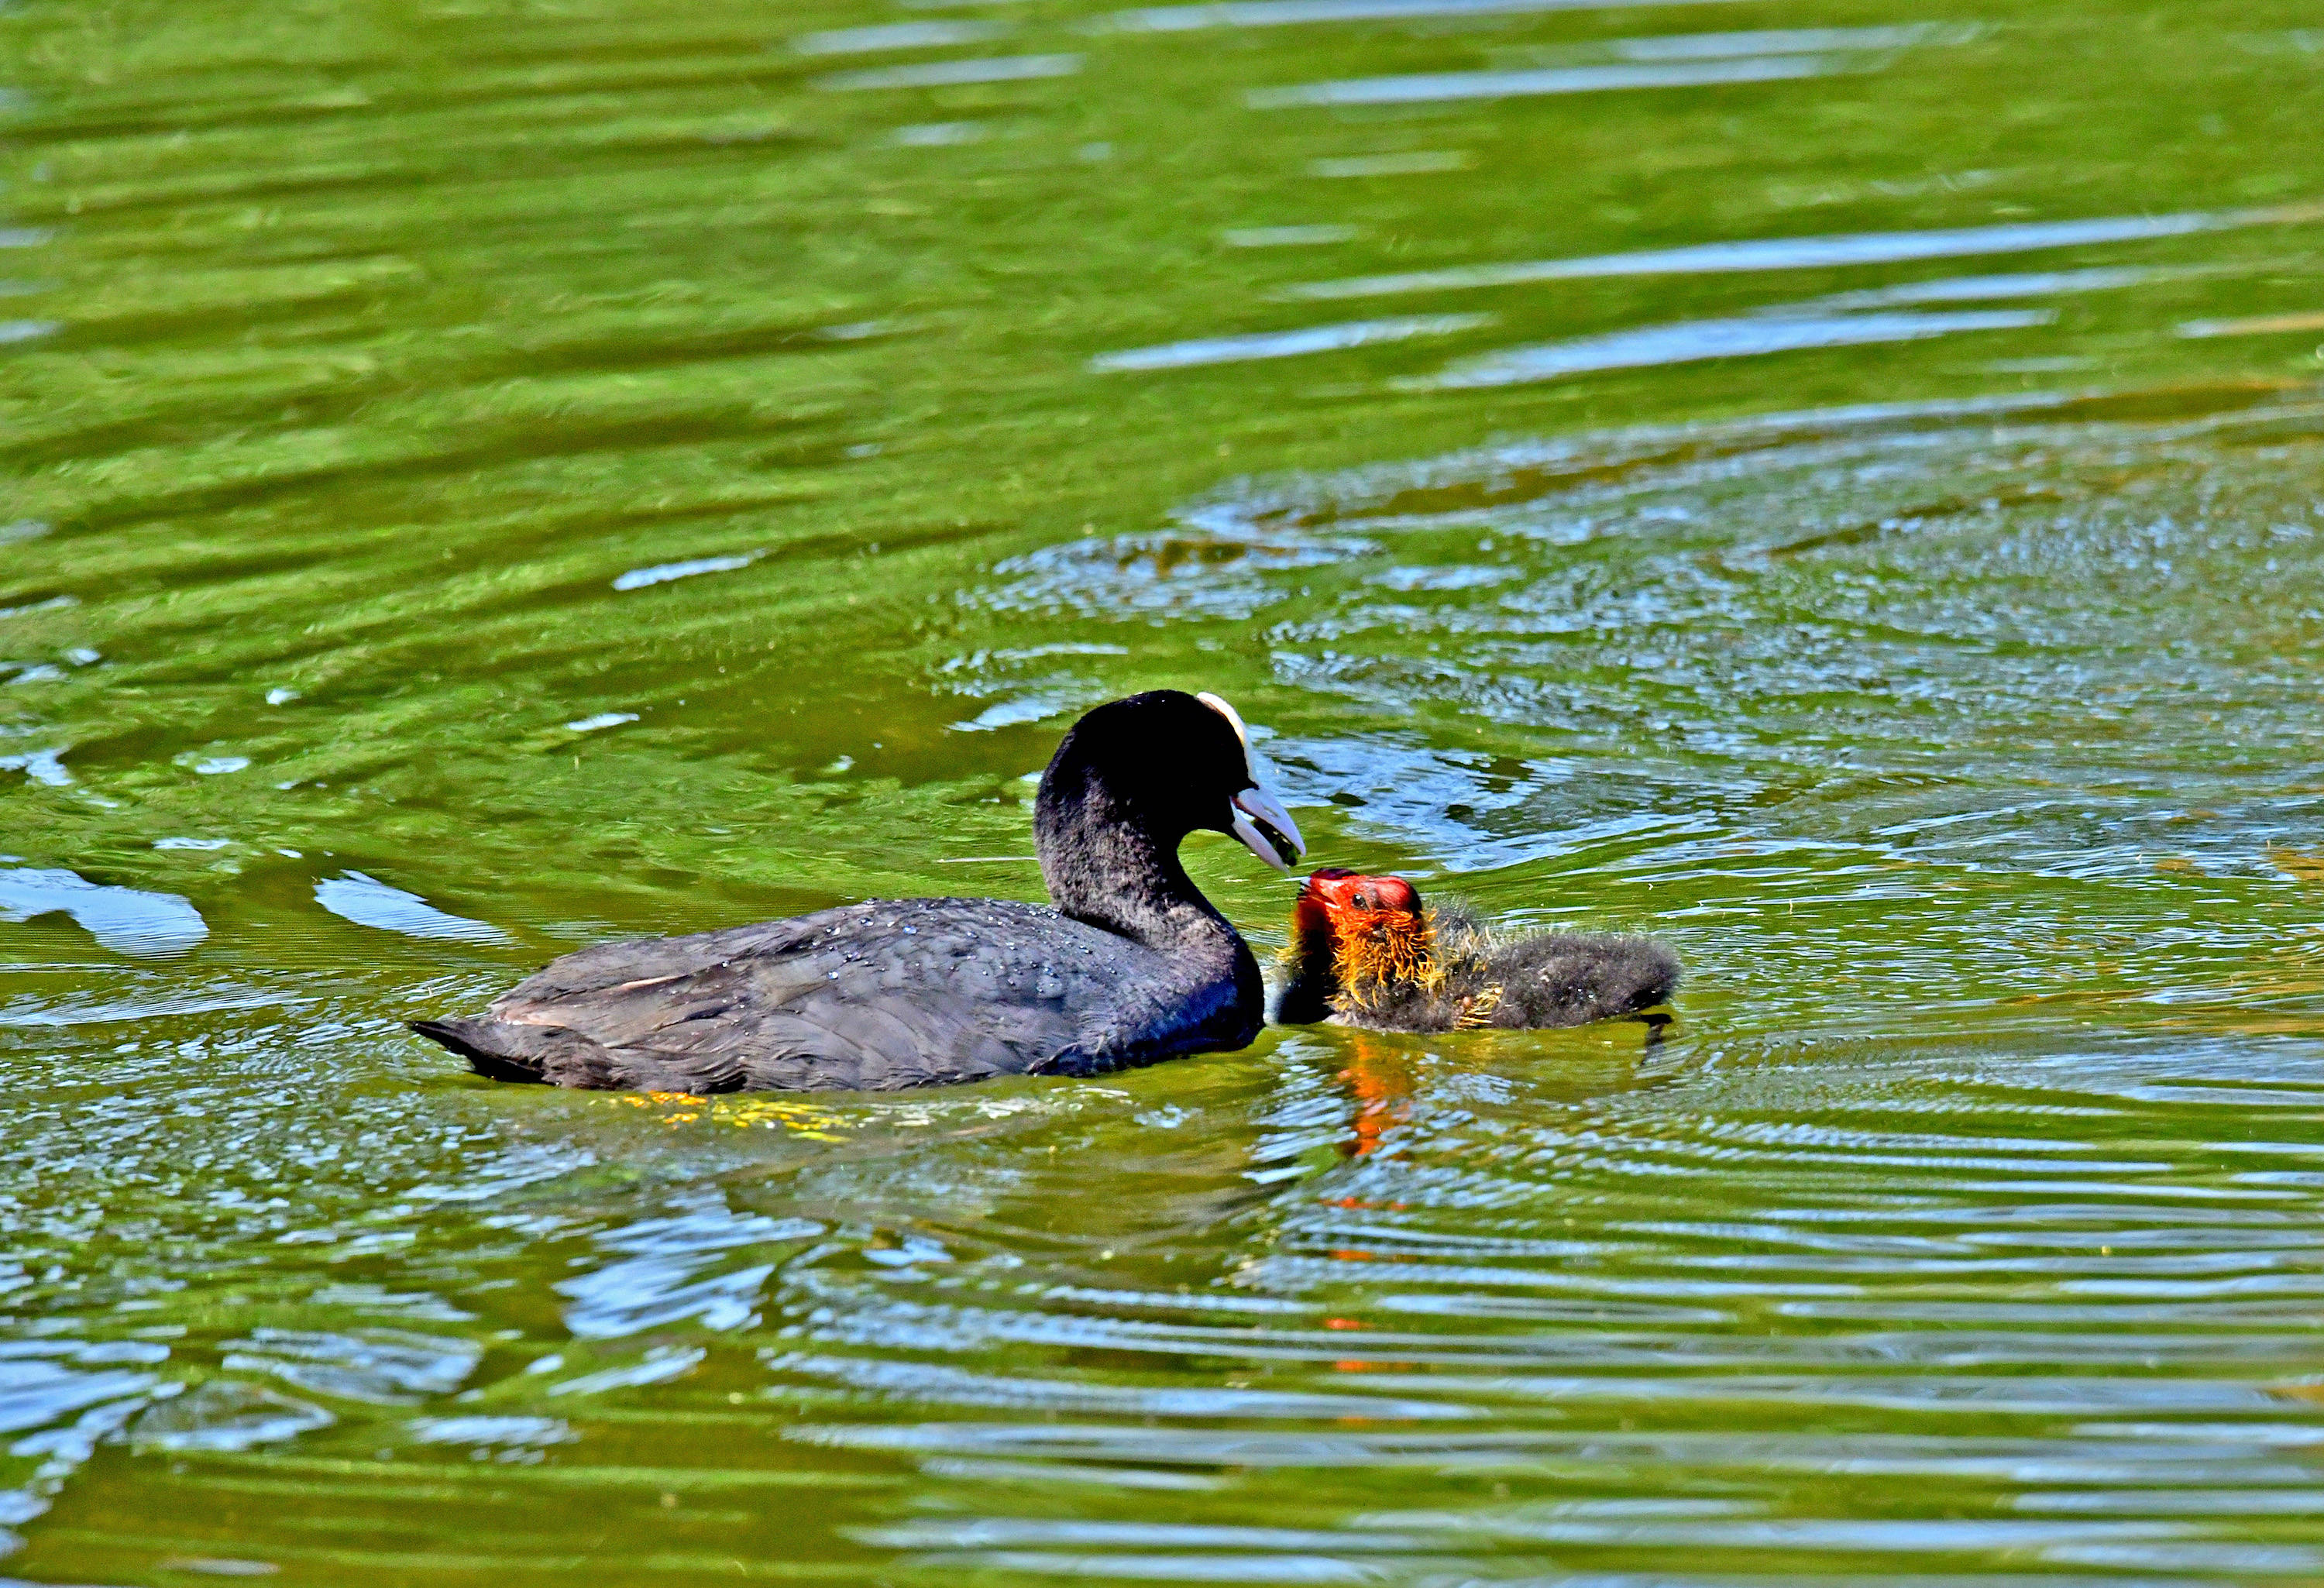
[1267, 829]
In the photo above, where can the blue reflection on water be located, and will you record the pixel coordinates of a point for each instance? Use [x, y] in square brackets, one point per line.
[1718, 338]
[1810, 252]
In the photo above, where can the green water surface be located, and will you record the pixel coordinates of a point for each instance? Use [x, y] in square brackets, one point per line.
[1836, 485]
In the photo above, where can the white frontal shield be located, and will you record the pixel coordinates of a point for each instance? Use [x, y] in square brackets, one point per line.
[1256, 815]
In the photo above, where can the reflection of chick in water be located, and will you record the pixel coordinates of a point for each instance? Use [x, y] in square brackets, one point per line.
[1395, 1084]
[1382, 1078]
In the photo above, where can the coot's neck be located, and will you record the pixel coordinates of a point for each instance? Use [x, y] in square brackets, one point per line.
[1311, 981]
[1110, 865]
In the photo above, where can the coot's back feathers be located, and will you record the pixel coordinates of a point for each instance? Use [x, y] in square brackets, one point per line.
[1135, 966]
[873, 997]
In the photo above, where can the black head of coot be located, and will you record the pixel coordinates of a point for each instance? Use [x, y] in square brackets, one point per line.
[1167, 763]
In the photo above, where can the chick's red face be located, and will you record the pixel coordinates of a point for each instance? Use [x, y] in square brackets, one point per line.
[1349, 896]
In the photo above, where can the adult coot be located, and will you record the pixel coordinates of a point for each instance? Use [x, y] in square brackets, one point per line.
[1364, 953]
[1131, 966]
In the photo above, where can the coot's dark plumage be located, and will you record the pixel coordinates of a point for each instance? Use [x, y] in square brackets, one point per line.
[1132, 964]
[1364, 953]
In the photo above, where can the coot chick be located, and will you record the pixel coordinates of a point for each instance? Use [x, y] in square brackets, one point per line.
[1363, 952]
[1132, 964]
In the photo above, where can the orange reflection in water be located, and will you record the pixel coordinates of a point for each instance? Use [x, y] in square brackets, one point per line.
[1381, 1078]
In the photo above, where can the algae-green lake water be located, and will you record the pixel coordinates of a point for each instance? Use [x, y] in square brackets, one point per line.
[1838, 486]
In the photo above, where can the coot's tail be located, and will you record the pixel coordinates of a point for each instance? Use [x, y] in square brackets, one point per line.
[509, 1050]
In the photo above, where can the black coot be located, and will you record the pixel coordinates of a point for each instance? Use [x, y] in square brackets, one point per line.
[1364, 953]
[1131, 966]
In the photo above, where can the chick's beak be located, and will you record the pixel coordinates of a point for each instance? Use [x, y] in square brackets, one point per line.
[1267, 829]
